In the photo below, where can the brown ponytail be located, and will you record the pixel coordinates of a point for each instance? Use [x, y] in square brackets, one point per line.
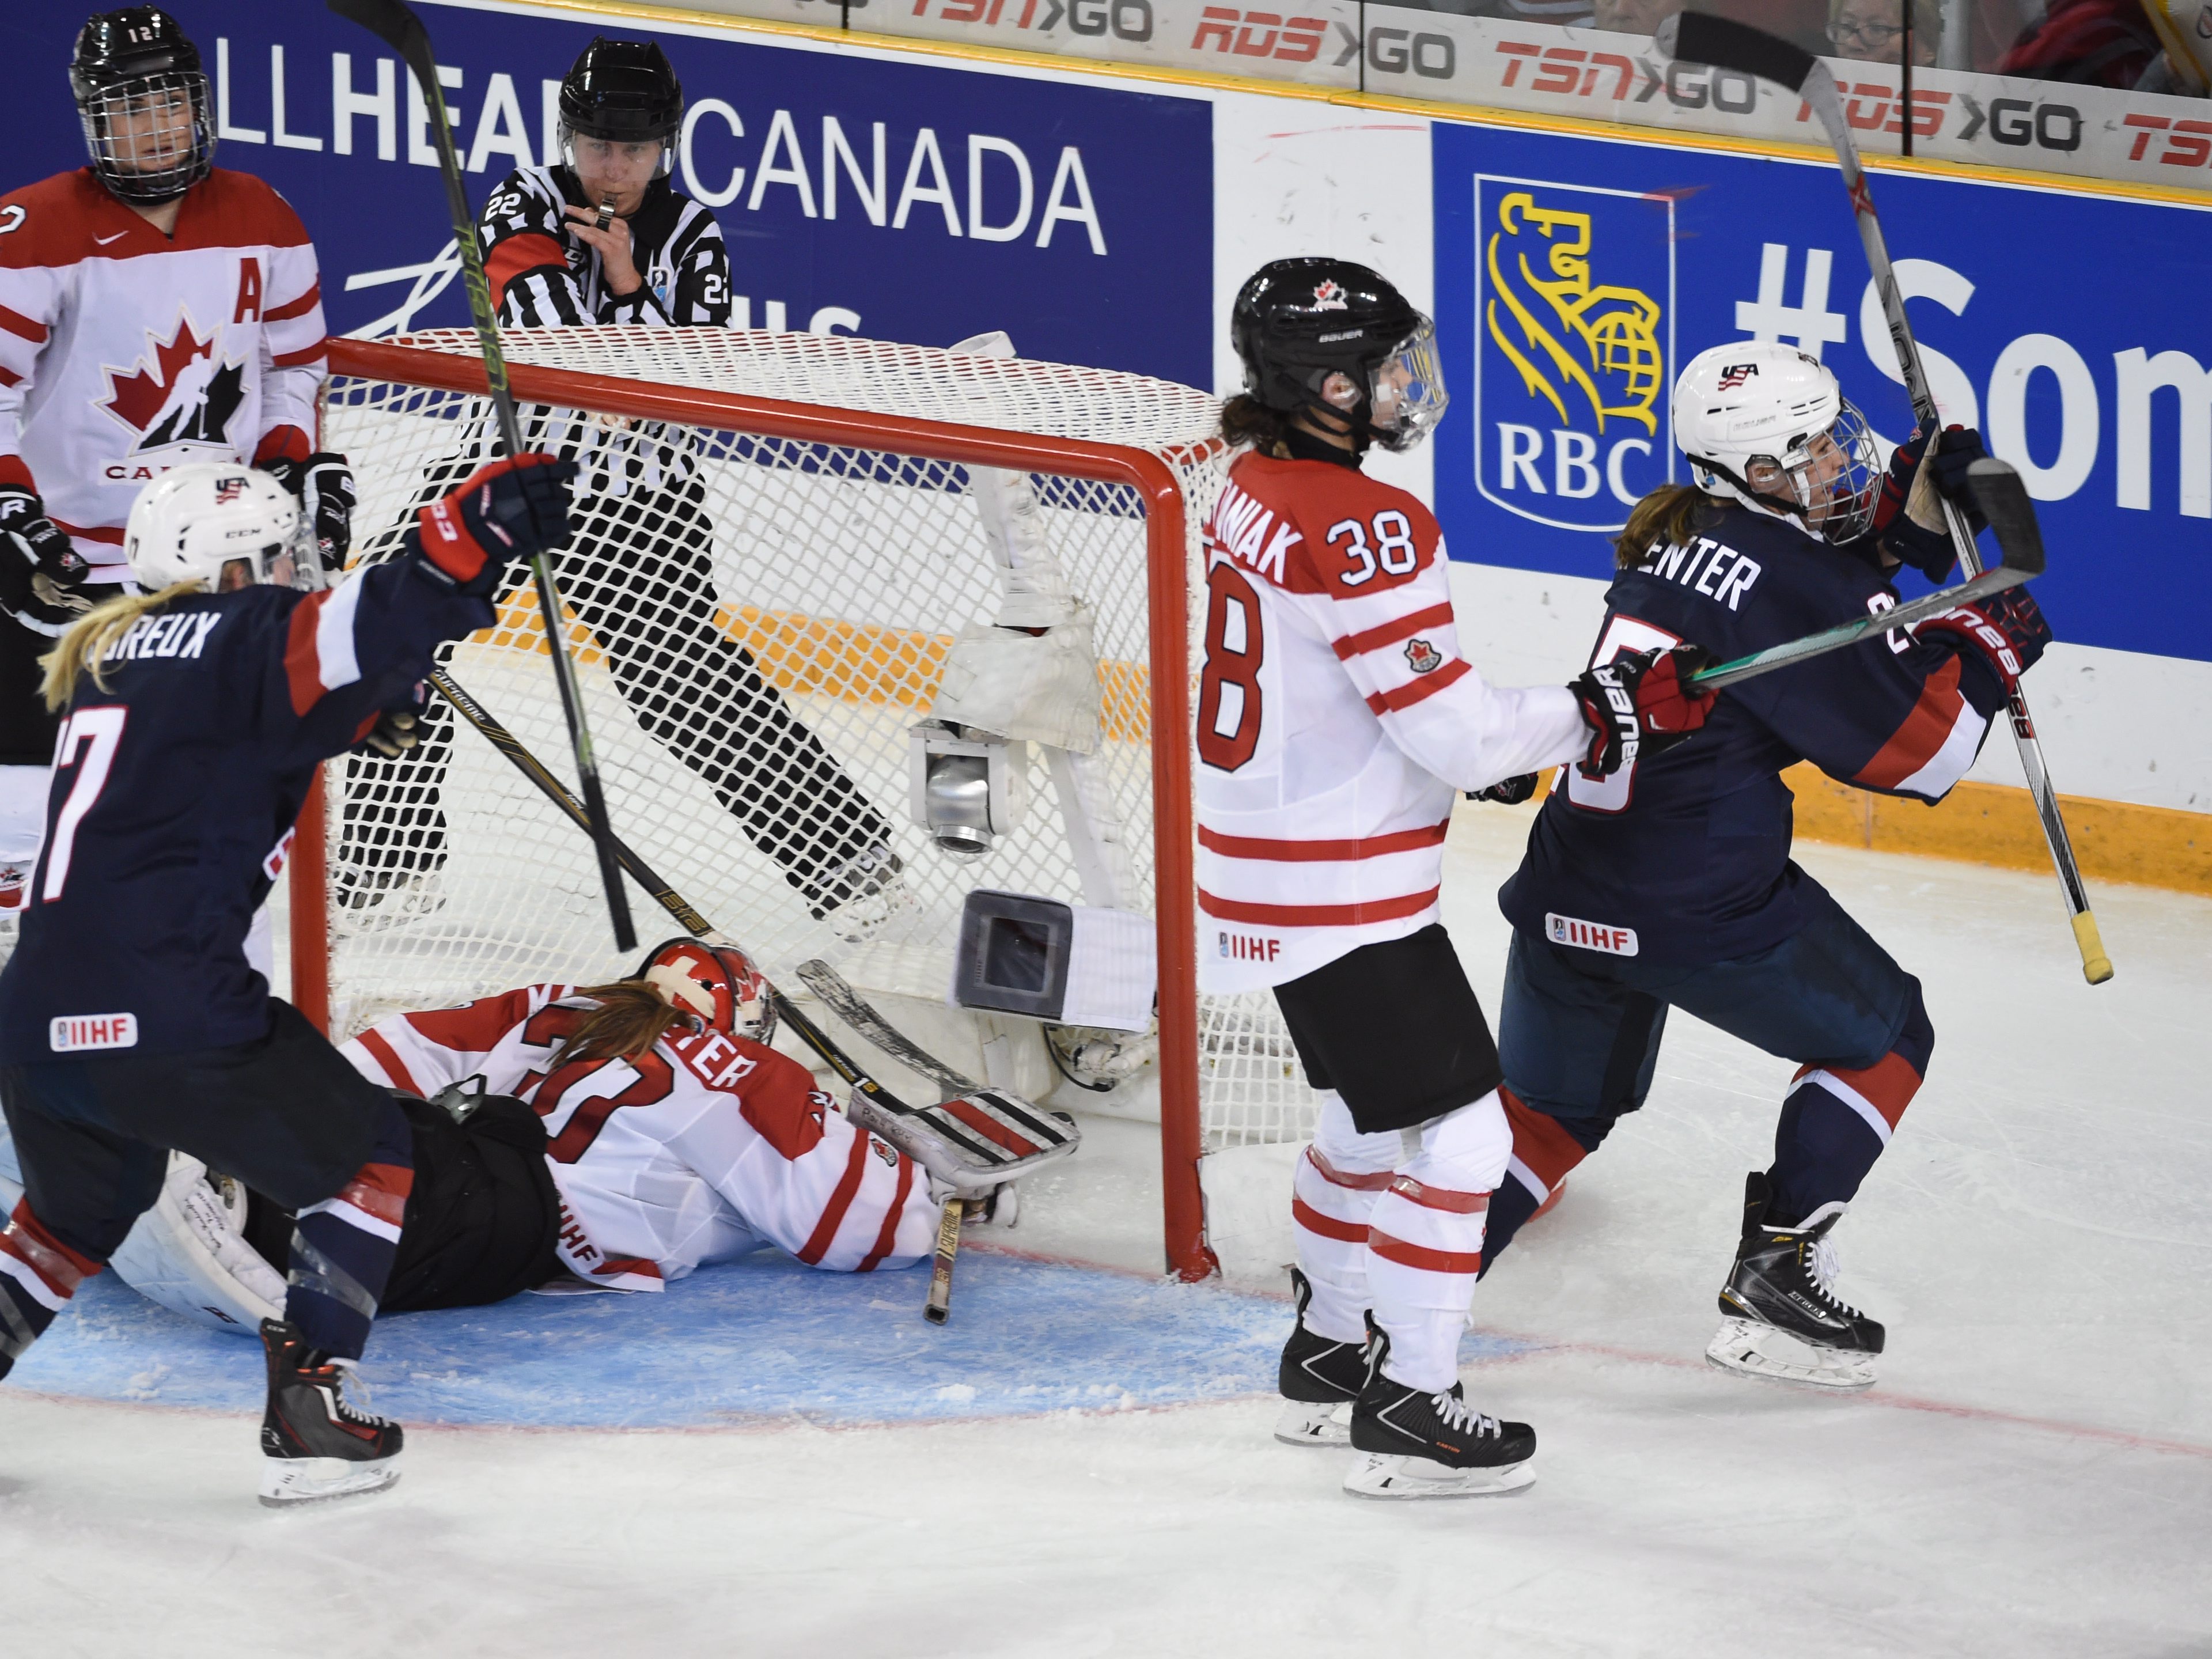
[1246, 420]
[630, 1018]
[1669, 516]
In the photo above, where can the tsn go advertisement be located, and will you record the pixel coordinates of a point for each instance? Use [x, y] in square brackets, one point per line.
[919, 200]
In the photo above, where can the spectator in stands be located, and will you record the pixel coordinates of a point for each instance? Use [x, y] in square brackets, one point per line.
[2104, 43]
[1873, 31]
[1633, 16]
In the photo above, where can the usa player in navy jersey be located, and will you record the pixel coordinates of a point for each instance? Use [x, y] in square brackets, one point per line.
[131, 1023]
[1670, 884]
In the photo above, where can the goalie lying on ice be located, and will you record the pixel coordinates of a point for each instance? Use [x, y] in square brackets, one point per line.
[614, 1136]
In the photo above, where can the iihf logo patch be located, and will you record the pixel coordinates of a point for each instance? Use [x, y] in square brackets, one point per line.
[1735, 375]
[1329, 296]
[1424, 658]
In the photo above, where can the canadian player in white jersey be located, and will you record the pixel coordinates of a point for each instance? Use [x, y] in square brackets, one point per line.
[673, 1136]
[154, 310]
[1337, 723]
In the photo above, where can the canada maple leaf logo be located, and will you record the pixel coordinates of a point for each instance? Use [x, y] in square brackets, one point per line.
[186, 396]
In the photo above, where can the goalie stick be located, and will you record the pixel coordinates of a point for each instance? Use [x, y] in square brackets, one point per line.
[987, 1131]
[1702, 38]
[2003, 500]
[391, 21]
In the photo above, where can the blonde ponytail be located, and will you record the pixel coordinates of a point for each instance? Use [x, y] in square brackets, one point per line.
[93, 636]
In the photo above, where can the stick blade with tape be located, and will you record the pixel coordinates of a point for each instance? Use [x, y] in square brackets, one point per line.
[1699, 37]
[2002, 496]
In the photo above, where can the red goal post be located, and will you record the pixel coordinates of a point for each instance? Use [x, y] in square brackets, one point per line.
[1155, 483]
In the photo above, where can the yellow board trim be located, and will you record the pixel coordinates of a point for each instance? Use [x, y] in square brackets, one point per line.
[1995, 824]
[1465, 114]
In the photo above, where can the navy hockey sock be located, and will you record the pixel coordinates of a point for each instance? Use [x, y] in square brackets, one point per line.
[39, 1274]
[341, 1247]
[1545, 1148]
[1837, 1120]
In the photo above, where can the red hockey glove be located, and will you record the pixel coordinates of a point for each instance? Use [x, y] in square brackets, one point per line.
[509, 509]
[2008, 628]
[1640, 705]
[40, 572]
[1929, 551]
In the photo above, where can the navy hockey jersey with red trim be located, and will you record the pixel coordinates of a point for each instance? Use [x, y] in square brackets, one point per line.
[174, 793]
[1686, 858]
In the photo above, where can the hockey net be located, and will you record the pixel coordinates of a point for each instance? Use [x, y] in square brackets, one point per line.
[782, 522]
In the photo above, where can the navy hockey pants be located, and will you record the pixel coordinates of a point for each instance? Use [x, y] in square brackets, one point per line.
[285, 1114]
[1579, 1034]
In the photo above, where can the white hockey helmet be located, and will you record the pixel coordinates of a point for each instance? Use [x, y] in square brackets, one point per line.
[195, 520]
[1761, 405]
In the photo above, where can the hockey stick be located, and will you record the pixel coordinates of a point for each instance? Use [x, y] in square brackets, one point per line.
[2004, 500]
[391, 21]
[984, 1122]
[1702, 38]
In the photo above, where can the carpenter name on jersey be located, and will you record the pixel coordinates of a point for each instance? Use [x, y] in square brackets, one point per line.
[174, 793]
[1686, 858]
[1337, 720]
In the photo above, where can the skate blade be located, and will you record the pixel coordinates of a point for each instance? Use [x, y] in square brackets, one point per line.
[1303, 1423]
[1392, 1475]
[1738, 1349]
[288, 1481]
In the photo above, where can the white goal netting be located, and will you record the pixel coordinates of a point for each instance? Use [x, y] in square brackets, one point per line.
[758, 621]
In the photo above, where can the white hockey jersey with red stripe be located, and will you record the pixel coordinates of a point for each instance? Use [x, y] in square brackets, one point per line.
[1337, 721]
[700, 1150]
[125, 352]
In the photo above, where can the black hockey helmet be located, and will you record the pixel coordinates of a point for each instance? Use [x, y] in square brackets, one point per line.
[142, 97]
[1298, 323]
[625, 91]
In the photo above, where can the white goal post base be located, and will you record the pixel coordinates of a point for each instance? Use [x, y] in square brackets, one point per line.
[778, 540]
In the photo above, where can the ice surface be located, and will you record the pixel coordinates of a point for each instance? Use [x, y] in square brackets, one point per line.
[2031, 1476]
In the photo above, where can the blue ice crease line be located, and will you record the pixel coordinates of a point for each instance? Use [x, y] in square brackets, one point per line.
[754, 1341]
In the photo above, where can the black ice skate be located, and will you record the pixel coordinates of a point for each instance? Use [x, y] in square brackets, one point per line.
[1784, 1286]
[1319, 1380]
[1416, 1444]
[313, 1445]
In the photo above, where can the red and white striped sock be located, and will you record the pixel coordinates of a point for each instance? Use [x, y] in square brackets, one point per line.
[1339, 1178]
[39, 1274]
[1425, 1241]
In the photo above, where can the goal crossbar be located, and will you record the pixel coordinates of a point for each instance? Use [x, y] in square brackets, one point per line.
[1147, 475]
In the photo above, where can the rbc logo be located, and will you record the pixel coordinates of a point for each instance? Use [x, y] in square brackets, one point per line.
[1574, 296]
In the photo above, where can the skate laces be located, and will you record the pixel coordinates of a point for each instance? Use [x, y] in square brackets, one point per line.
[345, 1379]
[1456, 1414]
[1824, 1265]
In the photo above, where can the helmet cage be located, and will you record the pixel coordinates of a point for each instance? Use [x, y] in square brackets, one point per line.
[1838, 509]
[167, 111]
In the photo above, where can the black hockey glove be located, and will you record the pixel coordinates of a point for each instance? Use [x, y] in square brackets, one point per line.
[509, 509]
[322, 485]
[394, 736]
[1507, 792]
[40, 573]
[1929, 551]
[2007, 629]
[1640, 705]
